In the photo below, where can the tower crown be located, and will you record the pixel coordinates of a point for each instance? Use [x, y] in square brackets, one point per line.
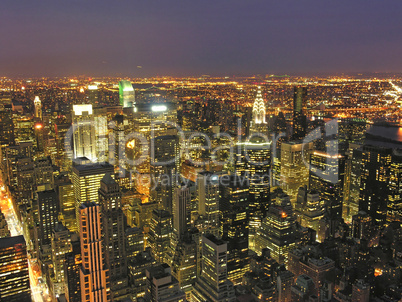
[259, 108]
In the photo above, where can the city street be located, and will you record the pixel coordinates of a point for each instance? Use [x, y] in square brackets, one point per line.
[39, 290]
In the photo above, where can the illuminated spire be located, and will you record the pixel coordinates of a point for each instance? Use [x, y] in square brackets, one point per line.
[259, 108]
[38, 107]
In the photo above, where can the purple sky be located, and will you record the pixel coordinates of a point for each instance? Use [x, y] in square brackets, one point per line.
[195, 37]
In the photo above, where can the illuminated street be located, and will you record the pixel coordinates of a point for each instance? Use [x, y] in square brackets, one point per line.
[16, 230]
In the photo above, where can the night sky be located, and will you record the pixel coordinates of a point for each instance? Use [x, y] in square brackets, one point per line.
[196, 37]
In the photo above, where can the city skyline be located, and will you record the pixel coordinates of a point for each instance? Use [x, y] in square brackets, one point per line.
[168, 38]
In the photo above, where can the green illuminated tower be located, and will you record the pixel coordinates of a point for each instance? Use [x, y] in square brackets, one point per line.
[126, 94]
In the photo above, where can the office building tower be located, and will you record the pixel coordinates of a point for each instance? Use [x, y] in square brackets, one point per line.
[25, 180]
[100, 118]
[184, 263]
[370, 181]
[137, 273]
[117, 145]
[294, 166]
[126, 94]
[299, 112]
[162, 286]
[394, 205]
[212, 284]
[47, 211]
[84, 138]
[65, 193]
[93, 95]
[61, 245]
[277, 232]
[159, 235]
[14, 275]
[86, 178]
[234, 228]
[303, 288]
[165, 159]
[134, 242]
[151, 120]
[208, 202]
[361, 291]
[94, 275]
[38, 108]
[362, 226]
[43, 170]
[327, 172]
[181, 210]
[6, 126]
[310, 209]
[72, 268]
[39, 135]
[113, 227]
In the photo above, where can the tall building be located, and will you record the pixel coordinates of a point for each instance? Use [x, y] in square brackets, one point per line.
[208, 202]
[126, 94]
[47, 211]
[303, 289]
[294, 166]
[65, 193]
[258, 123]
[94, 275]
[277, 232]
[284, 284]
[86, 180]
[327, 172]
[134, 242]
[113, 227]
[212, 284]
[159, 235]
[61, 245]
[162, 286]
[93, 95]
[38, 108]
[100, 119]
[84, 139]
[394, 206]
[72, 268]
[299, 112]
[14, 275]
[181, 210]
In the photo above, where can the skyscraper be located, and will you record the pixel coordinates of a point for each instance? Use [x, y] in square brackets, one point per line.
[48, 209]
[159, 234]
[38, 108]
[113, 235]
[94, 276]
[14, 275]
[181, 210]
[84, 138]
[299, 112]
[208, 202]
[126, 94]
[212, 284]
[86, 180]
[258, 123]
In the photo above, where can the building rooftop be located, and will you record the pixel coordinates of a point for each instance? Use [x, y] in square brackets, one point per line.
[11, 241]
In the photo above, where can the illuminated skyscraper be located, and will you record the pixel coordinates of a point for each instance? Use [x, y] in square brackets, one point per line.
[126, 94]
[277, 232]
[212, 284]
[86, 180]
[72, 268]
[93, 95]
[65, 192]
[113, 235]
[61, 245]
[38, 108]
[299, 112]
[159, 235]
[258, 123]
[48, 209]
[294, 166]
[181, 210]
[94, 275]
[208, 202]
[14, 275]
[394, 206]
[84, 132]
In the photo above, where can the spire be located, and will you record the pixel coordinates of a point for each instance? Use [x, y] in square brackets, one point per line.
[259, 108]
